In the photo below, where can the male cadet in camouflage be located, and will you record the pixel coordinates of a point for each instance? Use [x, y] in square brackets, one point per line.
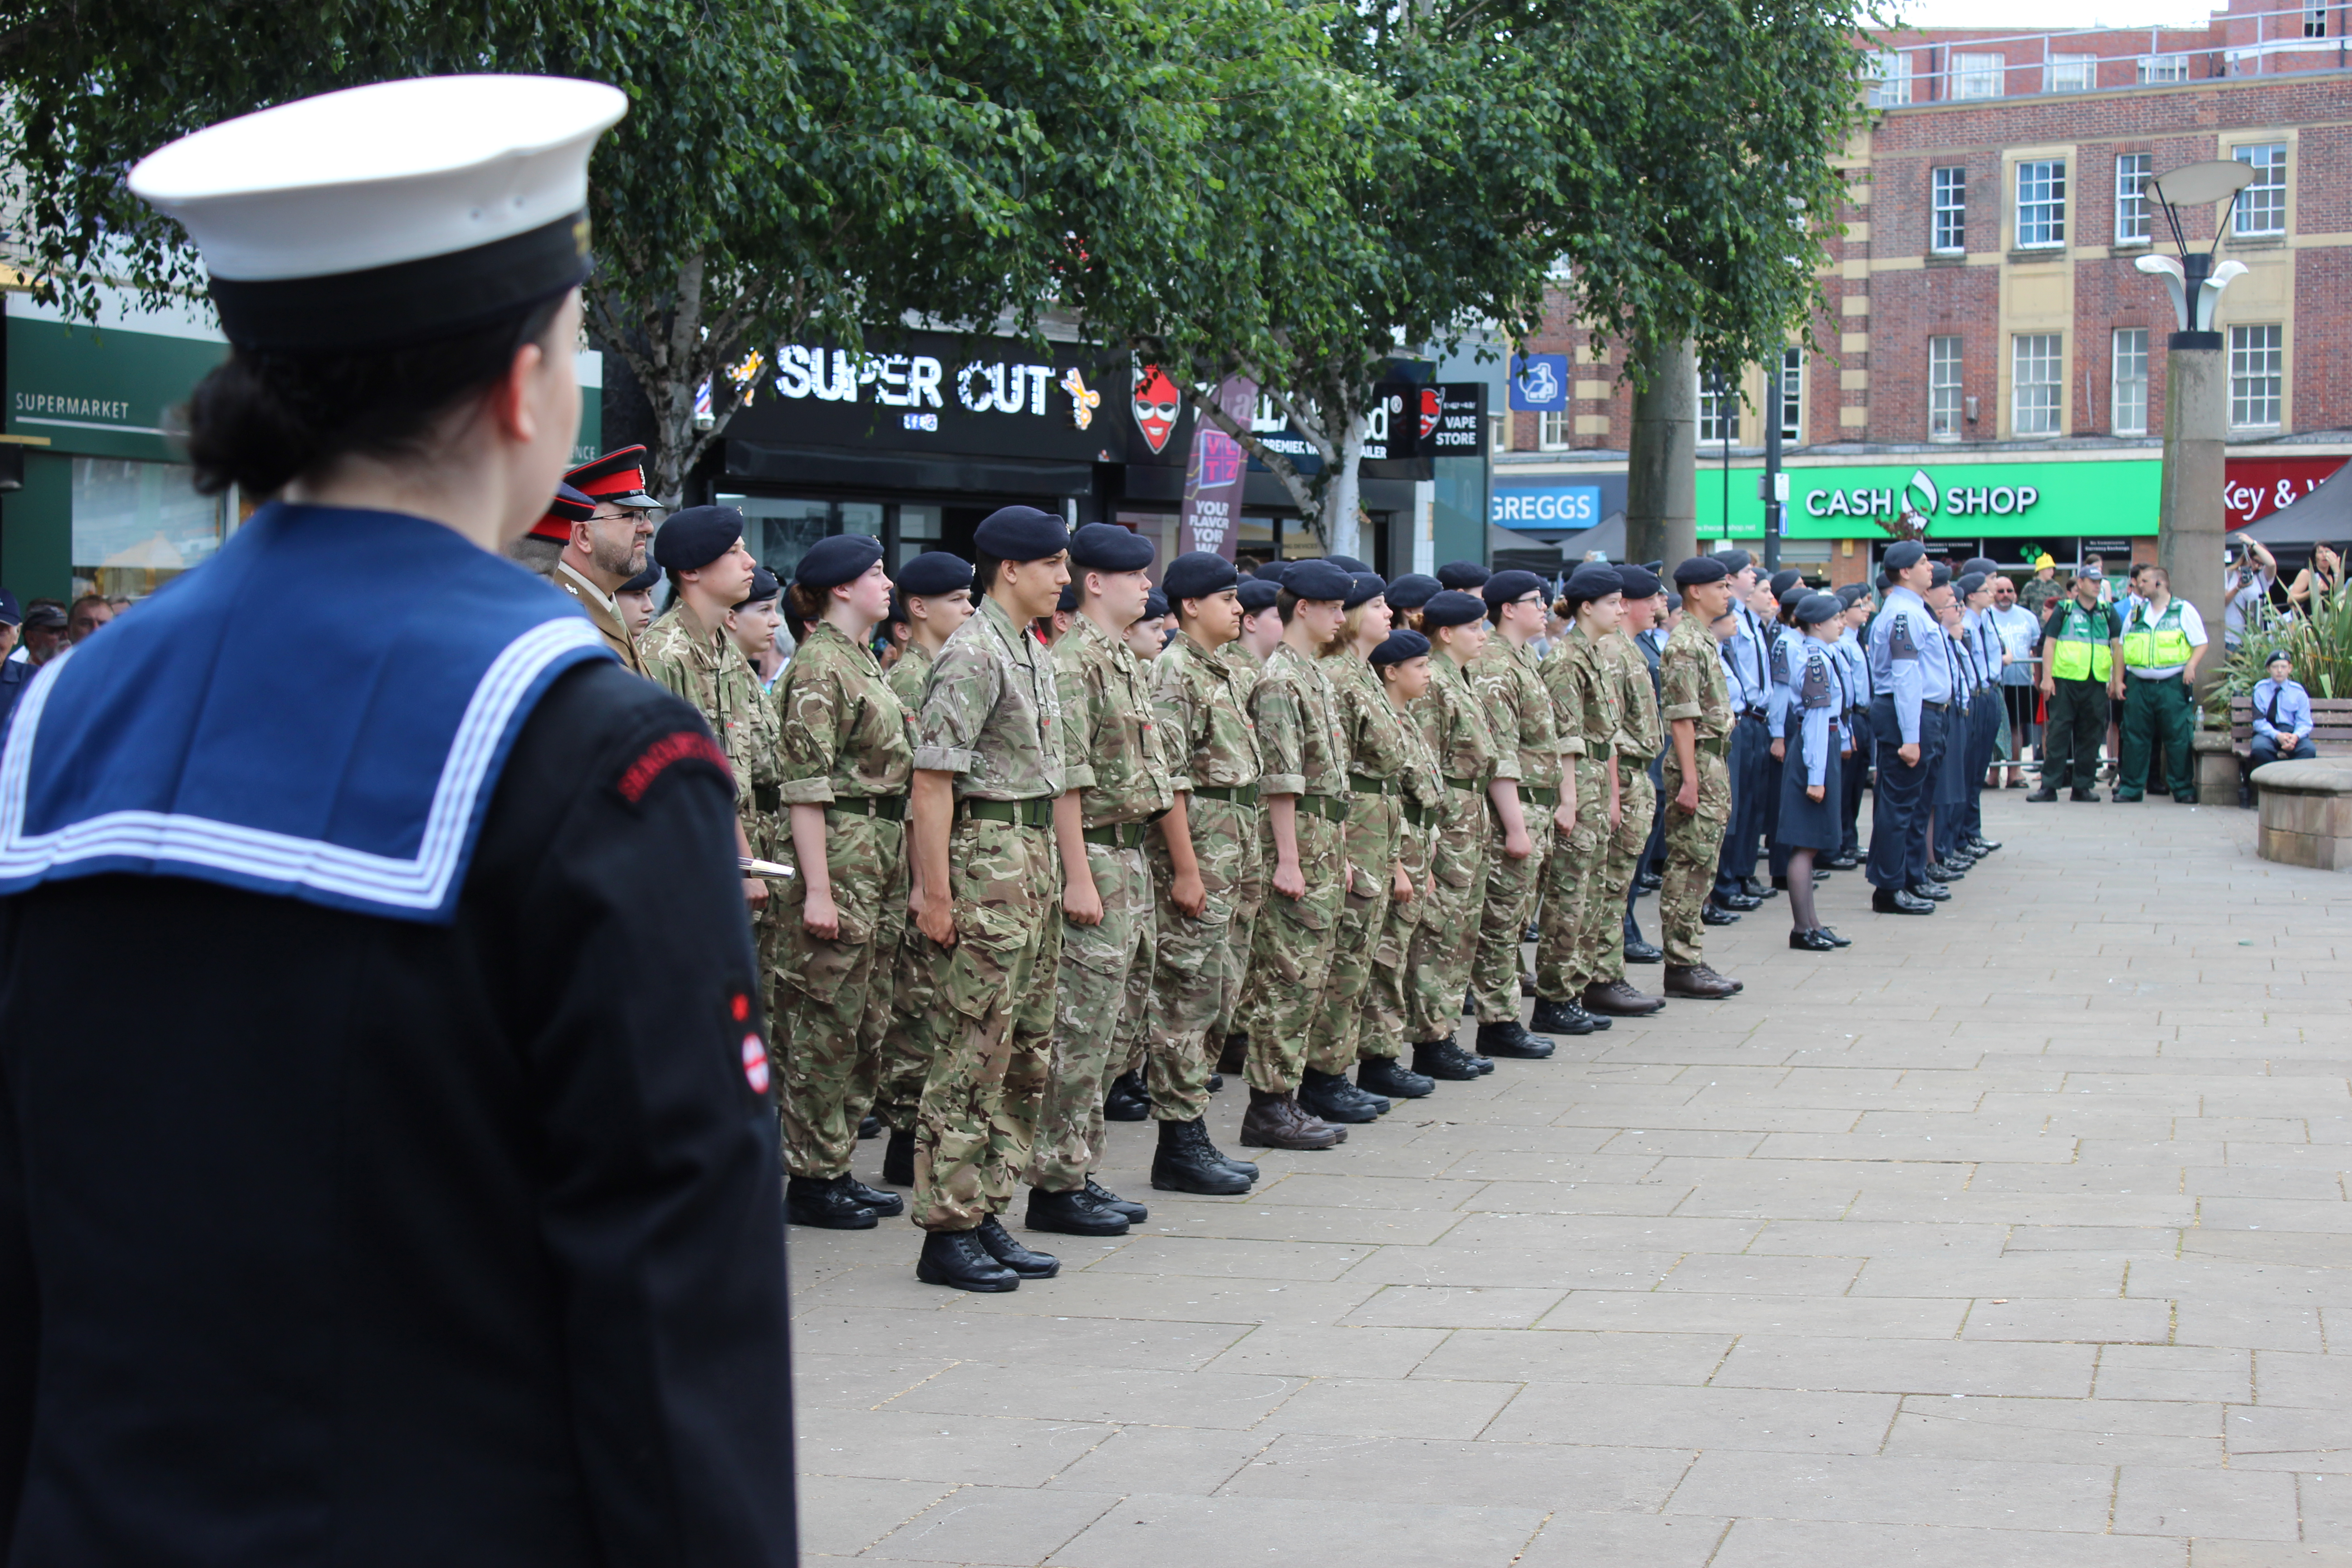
[845, 759]
[1698, 710]
[1206, 867]
[606, 547]
[688, 650]
[1306, 791]
[1510, 686]
[1401, 664]
[1641, 734]
[751, 627]
[904, 1014]
[1478, 777]
[1585, 691]
[987, 886]
[1114, 784]
[1245, 656]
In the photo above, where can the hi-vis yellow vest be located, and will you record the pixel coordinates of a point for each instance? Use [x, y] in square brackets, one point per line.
[2082, 652]
[2160, 645]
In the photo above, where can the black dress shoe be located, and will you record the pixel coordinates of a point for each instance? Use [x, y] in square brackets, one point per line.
[1842, 862]
[1984, 846]
[1642, 953]
[825, 1202]
[1934, 892]
[888, 1206]
[1836, 939]
[2044, 793]
[1483, 1064]
[998, 1243]
[1821, 874]
[1216, 1081]
[1511, 1038]
[1334, 1099]
[1711, 913]
[1649, 882]
[956, 1258]
[870, 1128]
[1074, 1213]
[1944, 871]
[1388, 1075]
[1128, 1100]
[1443, 1059]
[1900, 901]
[1186, 1162]
[1743, 902]
[1755, 889]
[1810, 941]
[1136, 1213]
[898, 1158]
[2090, 796]
[1561, 1018]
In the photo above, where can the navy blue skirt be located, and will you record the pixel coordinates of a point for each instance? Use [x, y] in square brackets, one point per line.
[1811, 824]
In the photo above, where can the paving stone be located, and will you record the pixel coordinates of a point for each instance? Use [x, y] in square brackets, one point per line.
[1781, 1543]
[1624, 1540]
[1882, 1491]
[1330, 1467]
[993, 1524]
[1304, 1350]
[2058, 1431]
[1762, 1419]
[1456, 1307]
[1149, 1530]
[1098, 1394]
[1553, 1357]
[1911, 1366]
[840, 1516]
[2152, 1500]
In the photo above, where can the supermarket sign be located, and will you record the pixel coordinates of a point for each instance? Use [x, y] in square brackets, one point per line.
[1965, 500]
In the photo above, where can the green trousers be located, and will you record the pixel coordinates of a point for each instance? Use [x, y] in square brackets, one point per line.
[2156, 719]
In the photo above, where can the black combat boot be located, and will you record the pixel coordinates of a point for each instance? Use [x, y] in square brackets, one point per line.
[1186, 1162]
[890, 1205]
[998, 1243]
[1136, 1213]
[1561, 1018]
[1511, 1038]
[956, 1258]
[898, 1158]
[1074, 1213]
[1388, 1075]
[1127, 1100]
[825, 1202]
[1334, 1099]
[1443, 1059]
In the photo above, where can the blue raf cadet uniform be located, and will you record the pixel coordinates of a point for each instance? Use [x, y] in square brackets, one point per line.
[1914, 688]
[1853, 655]
[1748, 675]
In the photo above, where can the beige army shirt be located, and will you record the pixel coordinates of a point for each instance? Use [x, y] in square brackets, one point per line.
[1110, 738]
[844, 733]
[1207, 738]
[1298, 735]
[604, 612]
[1691, 680]
[701, 664]
[993, 712]
[1510, 685]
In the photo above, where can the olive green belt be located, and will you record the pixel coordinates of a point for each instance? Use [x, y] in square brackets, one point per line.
[1417, 814]
[1472, 784]
[1547, 795]
[1117, 835]
[1239, 794]
[767, 796]
[1329, 807]
[1363, 785]
[888, 808]
[1037, 810]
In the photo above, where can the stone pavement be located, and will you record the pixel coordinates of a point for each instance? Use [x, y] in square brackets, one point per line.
[2015, 1237]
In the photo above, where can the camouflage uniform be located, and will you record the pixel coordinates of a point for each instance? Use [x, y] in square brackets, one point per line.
[1306, 754]
[992, 716]
[1387, 1016]
[1510, 686]
[1640, 734]
[1584, 695]
[1209, 746]
[1248, 671]
[1378, 758]
[1446, 937]
[1105, 981]
[845, 747]
[903, 1012]
[1691, 682]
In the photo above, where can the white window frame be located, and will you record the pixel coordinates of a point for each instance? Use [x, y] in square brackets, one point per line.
[2128, 381]
[1498, 432]
[2261, 205]
[2135, 219]
[1719, 409]
[2037, 405]
[1948, 198]
[2072, 73]
[2257, 376]
[2045, 228]
[2315, 21]
[1979, 76]
[1552, 428]
[2157, 70]
[1793, 394]
[1943, 389]
[1890, 79]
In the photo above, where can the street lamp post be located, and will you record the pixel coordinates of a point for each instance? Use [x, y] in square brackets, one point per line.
[2191, 522]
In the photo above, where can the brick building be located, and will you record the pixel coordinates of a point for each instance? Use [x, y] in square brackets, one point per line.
[1990, 354]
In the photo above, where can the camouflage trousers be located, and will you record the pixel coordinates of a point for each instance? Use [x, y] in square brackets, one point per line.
[819, 1052]
[1196, 971]
[1572, 881]
[1245, 938]
[1101, 995]
[1693, 842]
[1290, 954]
[1387, 1014]
[1602, 960]
[906, 1020]
[980, 1098]
[1446, 937]
[1511, 890]
[1368, 839]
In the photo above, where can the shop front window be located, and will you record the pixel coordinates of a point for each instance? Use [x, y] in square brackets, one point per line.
[778, 529]
[136, 525]
[919, 532]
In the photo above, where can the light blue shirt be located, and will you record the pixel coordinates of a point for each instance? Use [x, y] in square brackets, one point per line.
[1743, 658]
[1906, 662]
[2293, 720]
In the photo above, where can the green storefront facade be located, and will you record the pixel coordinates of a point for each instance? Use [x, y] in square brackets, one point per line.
[2030, 501]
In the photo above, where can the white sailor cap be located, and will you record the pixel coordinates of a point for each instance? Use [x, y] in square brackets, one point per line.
[390, 214]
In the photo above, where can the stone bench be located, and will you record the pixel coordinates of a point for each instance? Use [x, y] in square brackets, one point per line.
[2307, 813]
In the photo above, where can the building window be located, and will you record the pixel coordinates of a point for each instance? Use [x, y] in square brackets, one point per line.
[2315, 21]
[1890, 79]
[1718, 408]
[2041, 203]
[2132, 172]
[2261, 205]
[2163, 67]
[1948, 190]
[2036, 374]
[2257, 376]
[1793, 394]
[2074, 73]
[137, 525]
[2129, 372]
[1498, 432]
[1943, 389]
[1977, 76]
[1552, 429]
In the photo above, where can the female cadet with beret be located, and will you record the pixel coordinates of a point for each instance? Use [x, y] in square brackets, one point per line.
[1811, 785]
[1446, 937]
[1401, 665]
[1509, 684]
[1587, 700]
[845, 761]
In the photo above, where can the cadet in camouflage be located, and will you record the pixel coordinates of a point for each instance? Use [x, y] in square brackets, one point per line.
[1401, 664]
[1261, 630]
[1445, 940]
[1510, 685]
[1641, 735]
[1697, 708]
[1587, 696]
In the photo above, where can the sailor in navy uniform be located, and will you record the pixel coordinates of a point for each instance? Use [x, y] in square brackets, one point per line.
[416, 1200]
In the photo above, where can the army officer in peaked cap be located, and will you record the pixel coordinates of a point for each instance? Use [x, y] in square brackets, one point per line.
[386, 1228]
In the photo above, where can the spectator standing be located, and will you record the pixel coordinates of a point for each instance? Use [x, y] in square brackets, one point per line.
[2080, 670]
[2163, 643]
[43, 632]
[2249, 573]
[89, 612]
[2016, 634]
[14, 670]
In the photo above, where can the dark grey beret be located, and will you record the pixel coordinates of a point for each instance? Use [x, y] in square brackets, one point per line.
[1504, 587]
[694, 538]
[1640, 582]
[1347, 563]
[1107, 547]
[1706, 569]
[1258, 594]
[1400, 645]
[1904, 554]
[1464, 575]
[934, 572]
[1197, 574]
[1452, 608]
[1734, 560]
[1317, 580]
[1815, 608]
[1021, 534]
[1363, 587]
[843, 558]
[763, 586]
[1593, 580]
[1412, 591]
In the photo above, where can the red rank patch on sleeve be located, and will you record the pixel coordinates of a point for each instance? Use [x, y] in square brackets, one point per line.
[683, 746]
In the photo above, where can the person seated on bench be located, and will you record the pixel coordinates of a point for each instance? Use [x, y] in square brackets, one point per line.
[2281, 720]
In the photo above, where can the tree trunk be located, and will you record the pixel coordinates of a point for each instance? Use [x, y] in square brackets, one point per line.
[1342, 511]
[1662, 467]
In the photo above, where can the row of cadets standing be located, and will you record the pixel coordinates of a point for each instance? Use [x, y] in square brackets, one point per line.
[1748, 670]
[1551, 791]
[1585, 690]
[1697, 704]
[1911, 719]
[1853, 663]
[1806, 822]
[1610, 934]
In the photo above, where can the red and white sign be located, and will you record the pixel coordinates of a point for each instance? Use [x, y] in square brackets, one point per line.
[2257, 488]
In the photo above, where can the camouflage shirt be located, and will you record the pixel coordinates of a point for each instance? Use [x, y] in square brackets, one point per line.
[1510, 687]
[1378, 746]
[909, 677]
[1585, 692]
[1454, 726]
[1641, 733]
[1112, 742]
[1207, 739]
[991, 714]
[1690, 679]
[1298, 733]
[1246, 663]
[702, 665]
[845, 734]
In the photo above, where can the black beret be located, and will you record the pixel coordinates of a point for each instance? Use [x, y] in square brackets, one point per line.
[1969, 583]
[1107, 547]
[1155, 605]
[1941, 575]
[1854, 594]
[1412, 590]
[1452, 608]
[1704, 569]
[1462, 574]
[1197, 574]
[1400, 645]
[1641, 581]
[1793, 593]
[1886, 581]
[1274, 571]
[642, 582]
[1783, 578]
[1316, 579]
[1735, 561]
[1258, 594]
[1067, 603]
[1984, 563]
[1904, 554]
[1674, 600]
[1347, 563]
[1504, 587]
[934, 572]
[1815, 608]
[1363, 587]
[763, 586]
[1021, 534]
[1593, 580]
[843, 558]
[694, 538]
